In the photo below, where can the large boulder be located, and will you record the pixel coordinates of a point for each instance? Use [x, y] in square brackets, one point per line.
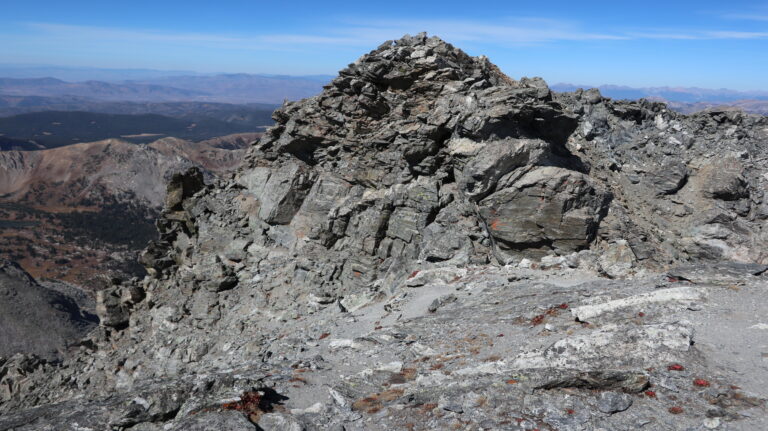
[548, 209]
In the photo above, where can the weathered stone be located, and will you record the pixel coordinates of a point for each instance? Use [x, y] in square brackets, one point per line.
[181, 186]
[724, 180]
[547, 209]
[669, 177]
[496, 159]
[110, 309]
[226, 420]
[613, 402]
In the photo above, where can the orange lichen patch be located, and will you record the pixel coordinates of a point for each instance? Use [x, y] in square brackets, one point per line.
[701, 383]
[324, 335]
[375, 402]
[512, 381]
[407, 374]
[745, 400]
[676, 367]
[676, 410]
[428, 407]
[251, 404]
[367, 403]
[551, 311]
[357, 273]
[436, 366]
[391, 394]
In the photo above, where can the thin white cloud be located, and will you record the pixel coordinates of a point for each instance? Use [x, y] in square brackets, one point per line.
[699, 35]
[198, 39]
[760, 16]
[738, 34]
[362, 33]
[518, 31]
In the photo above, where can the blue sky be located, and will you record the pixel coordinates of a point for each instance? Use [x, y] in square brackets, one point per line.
[710, 44]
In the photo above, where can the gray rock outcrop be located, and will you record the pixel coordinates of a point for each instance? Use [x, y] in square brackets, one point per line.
[35, 319]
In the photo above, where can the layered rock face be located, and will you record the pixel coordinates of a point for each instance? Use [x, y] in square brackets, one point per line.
[373, 238]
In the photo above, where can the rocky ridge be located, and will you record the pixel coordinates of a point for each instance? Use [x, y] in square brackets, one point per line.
[430, 244]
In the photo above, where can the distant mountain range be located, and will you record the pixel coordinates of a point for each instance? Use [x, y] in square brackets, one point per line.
[74, 73]
[242, 113]
[751, 106]
[670, 94]
[230, 88]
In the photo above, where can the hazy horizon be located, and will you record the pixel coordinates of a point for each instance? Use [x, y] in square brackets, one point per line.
[703, 44]
[88, 73]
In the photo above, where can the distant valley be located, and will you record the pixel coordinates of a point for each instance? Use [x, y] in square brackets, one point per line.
[51, 129]
[81, 213]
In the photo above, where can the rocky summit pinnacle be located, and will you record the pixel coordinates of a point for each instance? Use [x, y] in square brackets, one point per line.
[430, 244]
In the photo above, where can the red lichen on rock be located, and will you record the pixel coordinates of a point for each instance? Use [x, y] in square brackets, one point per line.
[537, 320]
[676, 410]
[324, 335]
[413, 274]
[250, 405]
[701, 383]
[676, 367]
[650, 394]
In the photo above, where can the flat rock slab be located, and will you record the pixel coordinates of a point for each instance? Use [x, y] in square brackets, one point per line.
[716, 271]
